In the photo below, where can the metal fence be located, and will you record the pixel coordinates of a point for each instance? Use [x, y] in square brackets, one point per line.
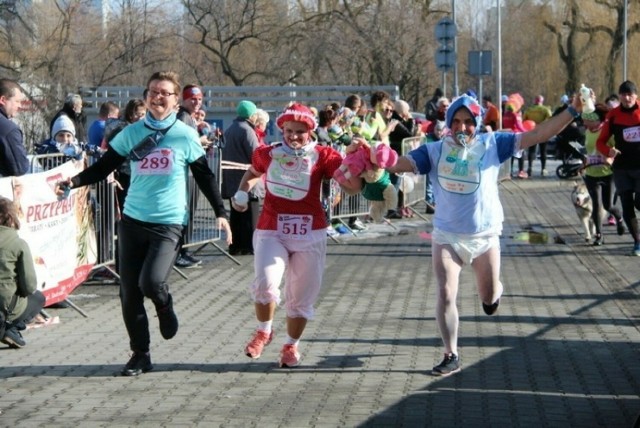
[413, 186]
[344, 206]
[202, 229]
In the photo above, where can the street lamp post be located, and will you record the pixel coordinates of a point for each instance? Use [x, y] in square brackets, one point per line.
[456, 89]
[499, 61]
[624, 43]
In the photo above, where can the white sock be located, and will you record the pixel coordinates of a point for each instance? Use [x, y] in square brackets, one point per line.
[291, 341]
[265, 326]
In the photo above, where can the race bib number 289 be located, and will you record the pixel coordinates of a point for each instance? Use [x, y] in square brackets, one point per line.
[294, 226]
[158, 162]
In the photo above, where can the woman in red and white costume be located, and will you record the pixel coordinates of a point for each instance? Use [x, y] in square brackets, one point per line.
[290, 239]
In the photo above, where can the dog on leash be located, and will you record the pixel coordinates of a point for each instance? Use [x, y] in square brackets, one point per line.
[584, 207]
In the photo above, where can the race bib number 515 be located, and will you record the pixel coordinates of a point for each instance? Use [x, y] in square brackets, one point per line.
[295, 226]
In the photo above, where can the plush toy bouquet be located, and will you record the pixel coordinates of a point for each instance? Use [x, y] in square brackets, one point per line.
[369, 162]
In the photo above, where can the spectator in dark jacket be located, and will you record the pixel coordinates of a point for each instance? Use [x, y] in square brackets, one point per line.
[406, 128]
[240, 142]
[431, 108]
[13, 155]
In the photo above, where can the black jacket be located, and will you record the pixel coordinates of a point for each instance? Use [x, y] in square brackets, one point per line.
[13, 155]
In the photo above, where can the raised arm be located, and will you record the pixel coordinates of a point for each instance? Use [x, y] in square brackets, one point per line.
[552, 126]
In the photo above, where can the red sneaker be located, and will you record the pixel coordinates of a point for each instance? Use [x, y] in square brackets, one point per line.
[257, 343]
[289, 356]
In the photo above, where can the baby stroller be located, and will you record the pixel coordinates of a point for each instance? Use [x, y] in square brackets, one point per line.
[572, 154]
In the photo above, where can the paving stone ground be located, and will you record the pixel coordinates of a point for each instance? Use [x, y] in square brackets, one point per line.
[562, 351]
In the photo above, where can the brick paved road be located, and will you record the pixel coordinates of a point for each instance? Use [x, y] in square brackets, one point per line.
[561, 352]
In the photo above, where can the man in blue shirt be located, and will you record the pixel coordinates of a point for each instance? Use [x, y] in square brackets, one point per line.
[108, 110]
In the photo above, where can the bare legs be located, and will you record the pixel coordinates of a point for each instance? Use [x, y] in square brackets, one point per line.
[295, 326]
[265, 312]
[447, 267]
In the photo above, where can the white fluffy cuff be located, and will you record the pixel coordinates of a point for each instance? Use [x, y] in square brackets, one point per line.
[241, 198]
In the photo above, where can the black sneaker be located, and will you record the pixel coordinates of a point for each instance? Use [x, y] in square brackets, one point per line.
[492, 308]
[449, 365]
[13, 338]
[139, 363]
[620, 227]
[188, 257]
[357, 225]
[168, 320]
[183, 263]
[598, 241]
[392, 214]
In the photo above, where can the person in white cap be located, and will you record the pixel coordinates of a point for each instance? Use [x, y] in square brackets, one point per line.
[63, 135]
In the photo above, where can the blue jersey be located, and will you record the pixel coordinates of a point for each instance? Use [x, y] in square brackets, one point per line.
[465, 180]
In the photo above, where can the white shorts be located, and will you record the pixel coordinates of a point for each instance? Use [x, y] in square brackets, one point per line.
[465, 246]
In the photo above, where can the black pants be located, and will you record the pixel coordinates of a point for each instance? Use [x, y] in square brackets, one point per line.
[147, 253]
[601, 191]
[531, 155]
[241, 224]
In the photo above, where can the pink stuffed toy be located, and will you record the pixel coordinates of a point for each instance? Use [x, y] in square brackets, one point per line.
[370, 164]
[356, 163]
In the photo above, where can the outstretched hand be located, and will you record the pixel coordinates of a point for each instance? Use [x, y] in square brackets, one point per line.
[63, 187]
[356, 142]
[240, 201]
[223, 224]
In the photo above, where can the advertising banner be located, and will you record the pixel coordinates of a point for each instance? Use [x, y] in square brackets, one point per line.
[60, 231]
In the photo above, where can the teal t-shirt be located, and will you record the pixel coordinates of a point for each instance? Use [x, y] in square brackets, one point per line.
[158, 189]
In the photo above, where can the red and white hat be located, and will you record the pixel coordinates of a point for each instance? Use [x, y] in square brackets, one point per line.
[191, 91]
[297, 113]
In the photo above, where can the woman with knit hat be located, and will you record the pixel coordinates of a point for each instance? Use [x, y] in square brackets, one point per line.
[240, 141]
[464, 168]
[290, 238]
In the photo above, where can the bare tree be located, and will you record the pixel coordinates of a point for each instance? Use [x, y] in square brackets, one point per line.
[616, 35]
[233, 35]
[132, 47]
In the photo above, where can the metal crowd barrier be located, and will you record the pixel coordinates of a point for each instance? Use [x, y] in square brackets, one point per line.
[201, 230]
[413, 186]
[344, 206]
[104, 207]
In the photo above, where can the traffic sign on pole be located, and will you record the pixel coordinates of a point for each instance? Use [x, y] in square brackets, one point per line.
[480, 63]
[446, 30]
[445, 34]
[445, 58]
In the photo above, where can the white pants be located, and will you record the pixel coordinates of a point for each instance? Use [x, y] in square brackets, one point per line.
[300, 261]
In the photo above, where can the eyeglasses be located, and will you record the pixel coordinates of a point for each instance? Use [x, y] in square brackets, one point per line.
[388, 110]
[163, 94]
